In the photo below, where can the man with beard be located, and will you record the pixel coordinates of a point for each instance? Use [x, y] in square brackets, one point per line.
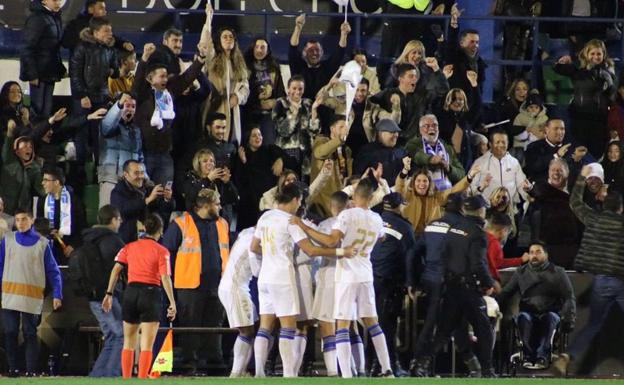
[546, 299]
[316, 72]
[199, 240]
[120, 140]
[169, 51]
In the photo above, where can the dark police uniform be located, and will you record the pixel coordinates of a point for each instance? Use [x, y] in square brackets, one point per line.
[466, 276]
[389, 258]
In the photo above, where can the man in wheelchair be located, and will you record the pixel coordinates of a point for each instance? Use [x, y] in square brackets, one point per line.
[546, 302]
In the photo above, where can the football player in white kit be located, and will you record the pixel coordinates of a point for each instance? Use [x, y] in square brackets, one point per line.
[275, 238]
[235, 296]
[354, 293]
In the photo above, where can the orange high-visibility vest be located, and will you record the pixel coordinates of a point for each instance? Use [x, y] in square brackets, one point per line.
[188, 258]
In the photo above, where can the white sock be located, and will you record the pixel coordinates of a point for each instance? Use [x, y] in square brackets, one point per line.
[261, 350]
[379, 341]
[301, 340]
[329, 355]
[287, 351]
[343, 350]
[357, 350]
[241, 350]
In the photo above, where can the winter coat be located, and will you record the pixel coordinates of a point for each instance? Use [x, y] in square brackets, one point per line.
[594, 89]
[373, 153]
[416, 151]
[90, 66]
[71, 35]
[525, 120]
[18, 183]
[165, 55]
[119, 141]
[462, 63]
[506, 172]
[41, 55]
[108, 243]
[193, 184]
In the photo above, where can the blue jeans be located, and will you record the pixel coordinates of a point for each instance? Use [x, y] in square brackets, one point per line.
[30, 322]
[606, 292]
[537, 333]
[108, 363]
[41, 99]
[159, 167]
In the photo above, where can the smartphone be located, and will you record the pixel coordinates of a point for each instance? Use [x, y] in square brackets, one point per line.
[168, 185]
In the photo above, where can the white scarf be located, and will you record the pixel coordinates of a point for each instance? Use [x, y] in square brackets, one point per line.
[50, 206]
[163, 108]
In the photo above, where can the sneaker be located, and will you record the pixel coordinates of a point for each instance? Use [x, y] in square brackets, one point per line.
[560, 365]
[399, 371]
[541, 364]
[474, 367]
[387, 374]
[13, 373]
[419, 367]
[528, 365]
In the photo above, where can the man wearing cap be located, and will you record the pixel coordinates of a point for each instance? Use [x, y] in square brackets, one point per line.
[595, 189]
[466, 280]
[428, 252]
[429, 151]
[600, 254]
[389, 259]
[384, 150]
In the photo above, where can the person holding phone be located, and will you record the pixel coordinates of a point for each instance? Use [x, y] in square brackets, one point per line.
[147, 264]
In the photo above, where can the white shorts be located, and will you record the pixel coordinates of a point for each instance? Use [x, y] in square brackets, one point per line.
[238, 306]
[279, 299]
[323, 307]
[305, 288]
[354, 300]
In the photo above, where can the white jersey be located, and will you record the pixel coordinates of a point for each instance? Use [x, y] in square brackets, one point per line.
[361, 228]
[238, 271]
[278, 239]
[327, 270]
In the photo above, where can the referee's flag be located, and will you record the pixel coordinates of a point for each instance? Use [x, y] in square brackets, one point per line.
[164, 359]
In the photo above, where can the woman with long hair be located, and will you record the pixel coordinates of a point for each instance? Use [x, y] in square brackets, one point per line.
[594, 88]
[509, 107]
[414, 54]
[500, 202]
[147, 265]
[265, 84]
[613, 165]
[228, 74]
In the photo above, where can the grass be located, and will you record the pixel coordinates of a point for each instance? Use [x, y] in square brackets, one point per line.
[301, 381]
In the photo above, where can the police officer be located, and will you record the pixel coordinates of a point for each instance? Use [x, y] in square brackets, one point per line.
[389, 258]
[466, 280]
[427, 259]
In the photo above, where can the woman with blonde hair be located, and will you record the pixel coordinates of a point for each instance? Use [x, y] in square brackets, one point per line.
[228, 74]
[423, 201]
[594, 89]
[206, 175]
[500, 202]
[414, 54]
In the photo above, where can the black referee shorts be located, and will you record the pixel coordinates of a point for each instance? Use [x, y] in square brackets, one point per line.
[141, 303]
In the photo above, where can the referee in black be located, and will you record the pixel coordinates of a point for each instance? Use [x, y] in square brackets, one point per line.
[389, 260]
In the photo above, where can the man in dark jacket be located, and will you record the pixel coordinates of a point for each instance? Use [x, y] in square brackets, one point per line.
[308, 64]
[92, 8]
[104, 236]
[601, 253]
[425, 272]
[546, 299]
[169, 51]
[466, 280]
[134, 199]
[153, 86]
[40, 61]
[196, 277]
[93, 61]
[463, 54]
[389, 258]
[384, 150]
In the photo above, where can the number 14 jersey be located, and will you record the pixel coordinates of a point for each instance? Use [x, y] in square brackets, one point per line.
[360, 228]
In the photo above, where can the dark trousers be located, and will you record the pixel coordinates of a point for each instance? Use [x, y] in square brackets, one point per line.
[459, 301]
[389, 302]
[29, 322]
[537, 332]
[606, 292]
[432, 292]
[200, 308]
[41, 99]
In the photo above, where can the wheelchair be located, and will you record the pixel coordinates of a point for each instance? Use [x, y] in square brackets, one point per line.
[517, 360]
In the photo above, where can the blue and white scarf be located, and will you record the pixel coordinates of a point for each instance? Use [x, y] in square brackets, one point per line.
[163, 108]
[440, 180]
[50, 206]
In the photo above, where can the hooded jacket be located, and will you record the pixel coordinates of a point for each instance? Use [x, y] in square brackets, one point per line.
[41, 55]
[108, 243]
[18, 182]
[91, 65]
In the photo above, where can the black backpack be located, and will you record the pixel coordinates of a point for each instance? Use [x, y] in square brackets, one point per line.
[87, 273]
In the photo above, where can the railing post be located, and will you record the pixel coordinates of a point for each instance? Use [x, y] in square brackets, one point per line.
[535, 71]
[358, 30]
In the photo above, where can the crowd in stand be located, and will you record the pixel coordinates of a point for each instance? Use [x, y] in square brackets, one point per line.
[546, 191]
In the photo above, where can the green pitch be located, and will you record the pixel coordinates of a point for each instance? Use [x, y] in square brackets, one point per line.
[298, 381]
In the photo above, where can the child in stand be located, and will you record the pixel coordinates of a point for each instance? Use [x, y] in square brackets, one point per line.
[532, 117]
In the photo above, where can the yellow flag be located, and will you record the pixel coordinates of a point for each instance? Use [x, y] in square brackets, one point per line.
[164, 359]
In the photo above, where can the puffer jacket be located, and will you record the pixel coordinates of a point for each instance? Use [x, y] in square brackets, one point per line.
[90, 67]
[19, 183]
[41, 55]
[119, 142]
[594, 88]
